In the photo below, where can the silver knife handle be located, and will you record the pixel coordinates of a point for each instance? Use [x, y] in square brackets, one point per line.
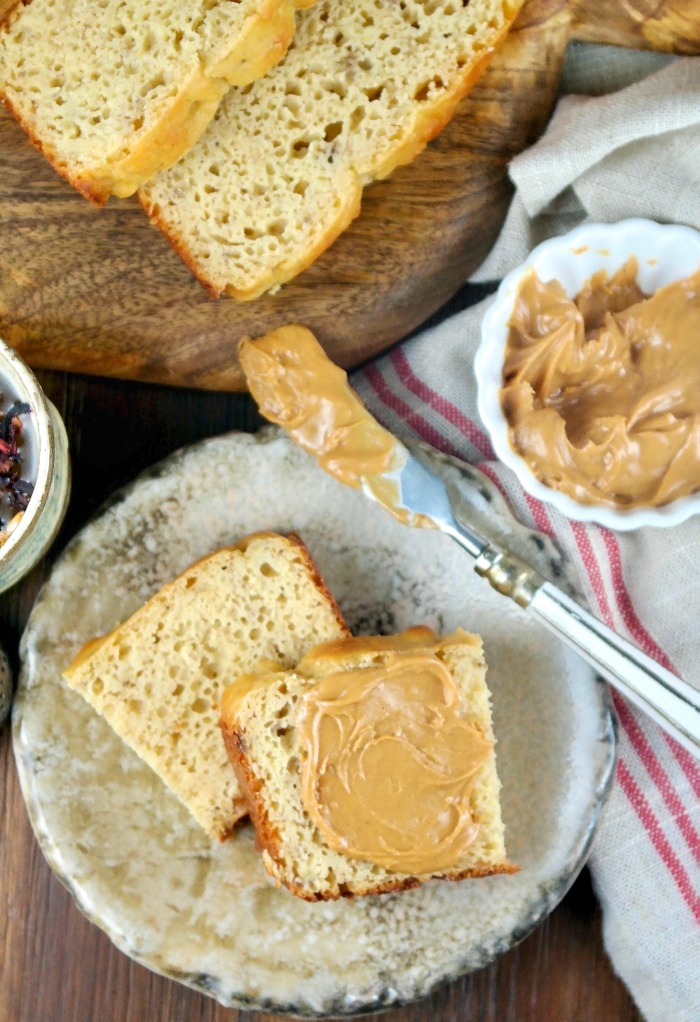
[667, 699]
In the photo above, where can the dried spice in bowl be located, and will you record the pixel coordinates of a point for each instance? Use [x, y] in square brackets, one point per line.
[34, 469]
[15, 491]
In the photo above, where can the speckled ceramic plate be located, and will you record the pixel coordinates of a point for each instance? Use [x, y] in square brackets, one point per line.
[206, 914]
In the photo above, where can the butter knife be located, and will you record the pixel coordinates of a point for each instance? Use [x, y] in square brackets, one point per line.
[669, 700]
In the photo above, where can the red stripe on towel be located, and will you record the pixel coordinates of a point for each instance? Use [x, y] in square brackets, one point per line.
[624, 602]
[411, 417]
[540, 517]
[642, 637]
[450, 412]
[658, 775]
[592, 569]
[657, 837]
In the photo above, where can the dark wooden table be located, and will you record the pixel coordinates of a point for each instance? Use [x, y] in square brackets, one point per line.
[57, 967]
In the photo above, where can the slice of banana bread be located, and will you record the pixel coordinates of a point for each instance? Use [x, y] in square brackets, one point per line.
[279, 172]
[357, 789]
[115, 91]
[157, 679]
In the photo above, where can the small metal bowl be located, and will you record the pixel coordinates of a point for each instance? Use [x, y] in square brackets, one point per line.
[47, 460]
[664, 253]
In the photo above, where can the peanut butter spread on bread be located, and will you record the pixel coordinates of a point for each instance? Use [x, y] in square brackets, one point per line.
[390, 761]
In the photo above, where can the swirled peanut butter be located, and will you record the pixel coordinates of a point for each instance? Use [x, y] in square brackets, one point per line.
[390, 762]
[297, 387]
[602, 392]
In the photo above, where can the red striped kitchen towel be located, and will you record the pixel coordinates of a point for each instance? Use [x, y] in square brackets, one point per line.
[633, 151]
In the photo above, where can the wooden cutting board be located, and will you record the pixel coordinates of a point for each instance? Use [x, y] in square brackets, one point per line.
[100, 291]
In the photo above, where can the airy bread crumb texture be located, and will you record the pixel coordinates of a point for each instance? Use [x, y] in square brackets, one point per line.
[114, 91]
[265, 749]
[157, 678]
[279, 172]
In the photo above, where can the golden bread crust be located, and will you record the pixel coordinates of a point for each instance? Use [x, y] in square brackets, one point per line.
[268, 838]
[6, 9]
[260, 706]
[234, 266]
[261, 43]
[92, 645]
[159, 677]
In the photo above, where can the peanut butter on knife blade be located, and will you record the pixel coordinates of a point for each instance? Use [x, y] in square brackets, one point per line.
[296, 386]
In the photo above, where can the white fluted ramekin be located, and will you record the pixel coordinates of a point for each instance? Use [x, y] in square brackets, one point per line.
[664, 253]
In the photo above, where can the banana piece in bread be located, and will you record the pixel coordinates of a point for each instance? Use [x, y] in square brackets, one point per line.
[157, 679]
[370, 766]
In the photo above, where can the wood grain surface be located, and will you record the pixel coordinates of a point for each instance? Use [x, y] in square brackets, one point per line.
[55, 966]
[100, 291]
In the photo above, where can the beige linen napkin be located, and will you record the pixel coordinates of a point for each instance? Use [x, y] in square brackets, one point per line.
[632, 151]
